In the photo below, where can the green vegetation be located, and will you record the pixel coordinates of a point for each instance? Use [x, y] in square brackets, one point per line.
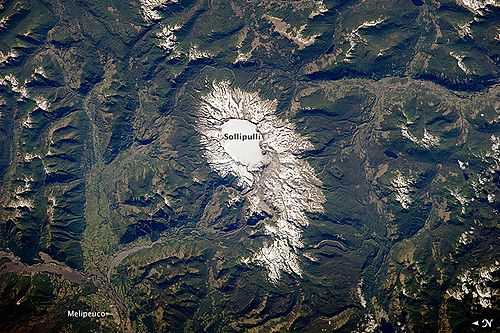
[103, 175]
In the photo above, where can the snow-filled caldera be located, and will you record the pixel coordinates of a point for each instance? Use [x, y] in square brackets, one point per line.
[240, 143]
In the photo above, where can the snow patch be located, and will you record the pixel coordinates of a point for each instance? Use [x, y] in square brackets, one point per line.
[151, 8]
[355, 37]
[479, 284]
[427, 141]
[460, 62]
[477, 5]
[168, 41]
[402, 186]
